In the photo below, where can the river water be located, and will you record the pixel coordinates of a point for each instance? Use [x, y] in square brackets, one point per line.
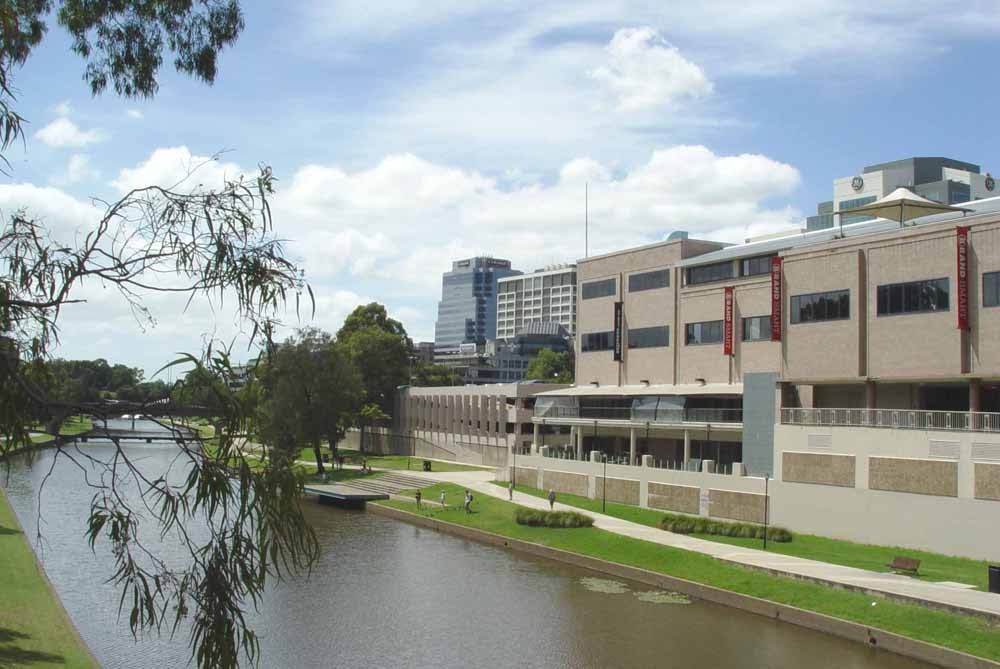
[388, 594]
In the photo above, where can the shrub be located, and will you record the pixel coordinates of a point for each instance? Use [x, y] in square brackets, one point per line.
[538, 518]
[679, 524]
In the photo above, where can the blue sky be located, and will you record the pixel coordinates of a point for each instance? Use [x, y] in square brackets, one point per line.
[408, 134]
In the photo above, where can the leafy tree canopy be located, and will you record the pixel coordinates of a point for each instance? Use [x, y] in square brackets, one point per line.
[551, 367]
[368, 316]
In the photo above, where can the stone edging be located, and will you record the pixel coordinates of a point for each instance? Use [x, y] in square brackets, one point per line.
[871, 636]
[48, 584]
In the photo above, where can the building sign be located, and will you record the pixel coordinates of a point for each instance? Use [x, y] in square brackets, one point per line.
[727, 333]
[618, 330]
[776, 298]
[962, 248]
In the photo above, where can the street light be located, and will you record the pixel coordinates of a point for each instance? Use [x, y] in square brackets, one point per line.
[766, 509]
[604, 501]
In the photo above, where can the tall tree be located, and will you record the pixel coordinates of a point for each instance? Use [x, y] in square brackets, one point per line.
[379, 349]
[312, 394]
[372, 315]
[550, 367]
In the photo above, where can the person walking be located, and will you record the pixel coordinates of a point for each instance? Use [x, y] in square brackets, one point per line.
[552, 499]
[443, 505]
[418, 498]
[468, 502]
[510, 491]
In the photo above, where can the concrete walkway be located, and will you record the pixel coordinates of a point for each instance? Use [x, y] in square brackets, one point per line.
[939, 595]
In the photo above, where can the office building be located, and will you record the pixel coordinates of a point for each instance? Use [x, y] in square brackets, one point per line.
[467, 312]
[940, 179]
[546, 295]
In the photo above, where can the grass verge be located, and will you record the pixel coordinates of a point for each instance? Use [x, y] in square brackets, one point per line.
[964, 633]
[396, 462]
[933, 566]
[34, 628]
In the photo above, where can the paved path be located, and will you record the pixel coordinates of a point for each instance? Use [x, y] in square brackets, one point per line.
[952, 596]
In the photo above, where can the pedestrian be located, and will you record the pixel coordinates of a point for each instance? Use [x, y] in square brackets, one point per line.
[340, 460]
[468, 502]
[443, 505]
[510, 491]
[552, 499]
[364, 465]
[418, 498]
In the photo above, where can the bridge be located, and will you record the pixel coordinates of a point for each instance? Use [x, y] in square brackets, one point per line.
[175, 434]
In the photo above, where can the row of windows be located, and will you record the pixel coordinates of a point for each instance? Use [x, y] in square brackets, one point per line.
[595, 289]
[913, 297]
[597, 341]
[719, 271]
[651, 337]
[829, 306]
[706, 332]
[755, 266]
[649, 280]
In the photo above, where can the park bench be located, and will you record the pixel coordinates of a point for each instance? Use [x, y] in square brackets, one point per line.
[904, 564]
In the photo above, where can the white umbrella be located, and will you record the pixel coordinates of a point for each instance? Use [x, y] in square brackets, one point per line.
[901, 205]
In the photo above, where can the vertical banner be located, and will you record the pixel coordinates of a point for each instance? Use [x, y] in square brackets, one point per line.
[776, 301]
[618, 331]
[727, 333]
[962, 249]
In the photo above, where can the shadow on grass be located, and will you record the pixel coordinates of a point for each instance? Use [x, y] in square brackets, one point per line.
[11, 655]
[8, 530]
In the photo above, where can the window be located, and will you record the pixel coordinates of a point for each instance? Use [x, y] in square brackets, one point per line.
[831, 306]
[595, 289]
[597, 341]
[649, 337]
[757, 328]
[719, 271]
[649, 280]
[755, 266]
[991, 289]
[707, 332]
[913, 297]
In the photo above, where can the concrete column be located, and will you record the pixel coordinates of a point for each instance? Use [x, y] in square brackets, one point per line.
[579, 443]
[647, 460]
[595, 456]
[631, 446]
[687, 447]
[975, 395]
[870, 395]
[708, 466]
[535, 441]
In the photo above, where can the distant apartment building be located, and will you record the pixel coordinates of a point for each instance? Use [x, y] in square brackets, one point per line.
[424, 351]
[940, 179]
[467, 312]
[546, 295]
[499, 361]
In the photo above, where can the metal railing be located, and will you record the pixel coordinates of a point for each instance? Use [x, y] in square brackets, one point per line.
[663, 416]
[902, 419]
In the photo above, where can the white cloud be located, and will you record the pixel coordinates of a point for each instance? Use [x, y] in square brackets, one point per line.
[134, 113]
[177, 167]
[62, 132]
[77, 169]
[62, 108]
[644, 71]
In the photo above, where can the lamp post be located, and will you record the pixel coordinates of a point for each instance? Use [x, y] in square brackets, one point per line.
[767, 508]
[604, 500]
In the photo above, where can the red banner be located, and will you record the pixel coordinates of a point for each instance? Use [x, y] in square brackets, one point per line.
[776, 298]
[727, 332]
[962, 249]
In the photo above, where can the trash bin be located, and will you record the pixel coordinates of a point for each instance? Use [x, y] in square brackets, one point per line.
[995, 578]
[427, 465]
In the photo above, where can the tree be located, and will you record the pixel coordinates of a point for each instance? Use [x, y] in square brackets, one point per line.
[312, 393]
[379, 349]
[551, 367]
[428, 374]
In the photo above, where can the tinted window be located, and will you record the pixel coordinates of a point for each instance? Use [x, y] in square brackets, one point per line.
[593, 289]
[597, 341]
[834, 305]
[757, 328]
[991, 289]
[649, 337]
[707, 332]
[649, 280]
[719, 271]
[913, 297]
[755, 266]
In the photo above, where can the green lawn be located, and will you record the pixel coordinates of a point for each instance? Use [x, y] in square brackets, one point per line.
[964, 633]
[393, 461]
[933, 566]
[34, 629]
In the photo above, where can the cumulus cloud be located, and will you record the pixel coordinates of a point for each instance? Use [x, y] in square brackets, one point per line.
[62, 108]
[644, 71]
[62, 132]
[77, 169]
[177, 167]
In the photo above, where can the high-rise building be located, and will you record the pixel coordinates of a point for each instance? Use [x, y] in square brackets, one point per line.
[546, 295]
[940, 179]
[467, 312]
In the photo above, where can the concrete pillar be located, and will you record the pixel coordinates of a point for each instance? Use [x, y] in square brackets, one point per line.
[535, 441]
[595, 456]
[631, 447]
[739, 469]
[579, 443]
[647, 460]
[708, 466]
[975, 395]
[870, 395]
[687, 447]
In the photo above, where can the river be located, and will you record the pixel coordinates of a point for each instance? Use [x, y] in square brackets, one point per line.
[388, 594]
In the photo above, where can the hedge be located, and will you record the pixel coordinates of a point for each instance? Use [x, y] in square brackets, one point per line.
[694, 525]
[537, 518]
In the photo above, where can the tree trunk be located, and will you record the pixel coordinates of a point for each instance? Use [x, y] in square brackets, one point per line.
[361, 445]
[319, 457]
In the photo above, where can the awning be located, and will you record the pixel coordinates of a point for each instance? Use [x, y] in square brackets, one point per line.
[689, 389]
[901, 205]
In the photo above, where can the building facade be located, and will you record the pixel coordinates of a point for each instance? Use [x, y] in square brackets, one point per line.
[841, 379]
[940, 179]
[544, 296]
[467, 311]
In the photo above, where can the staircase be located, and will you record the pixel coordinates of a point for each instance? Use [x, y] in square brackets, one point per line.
[388, 484]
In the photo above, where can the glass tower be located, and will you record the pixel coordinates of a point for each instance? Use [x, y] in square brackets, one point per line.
[467, 312]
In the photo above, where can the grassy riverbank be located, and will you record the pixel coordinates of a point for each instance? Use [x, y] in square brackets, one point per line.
[933, 566]
[395, 462]
[964, 633]
[34, 629]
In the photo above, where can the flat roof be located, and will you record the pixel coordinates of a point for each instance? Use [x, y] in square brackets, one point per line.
[646, 247]
[643, 390]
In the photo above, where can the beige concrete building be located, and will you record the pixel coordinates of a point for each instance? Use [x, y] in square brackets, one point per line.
[859, 368]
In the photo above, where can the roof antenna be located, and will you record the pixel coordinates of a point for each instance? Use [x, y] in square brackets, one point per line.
[586, 219]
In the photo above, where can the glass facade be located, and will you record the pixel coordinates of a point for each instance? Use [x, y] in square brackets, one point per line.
[651, 337]
[706, 332]
[467, 312]
[829, 306]
[649, 280]
[913, 297]
[847, 219]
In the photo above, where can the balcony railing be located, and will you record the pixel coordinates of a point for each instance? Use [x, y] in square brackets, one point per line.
[662, 416]
[902, 419]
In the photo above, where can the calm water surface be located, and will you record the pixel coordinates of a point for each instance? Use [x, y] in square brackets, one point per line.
[387, 594]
